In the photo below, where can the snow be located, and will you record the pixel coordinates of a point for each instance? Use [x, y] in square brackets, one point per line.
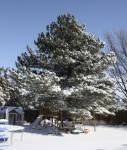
[56, 88]
[102, 110]
[105, 138]
[69, 91]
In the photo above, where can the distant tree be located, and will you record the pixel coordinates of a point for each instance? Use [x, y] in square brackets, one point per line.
[117, 42]
[4, 94]
[2, 87]
[76, 58]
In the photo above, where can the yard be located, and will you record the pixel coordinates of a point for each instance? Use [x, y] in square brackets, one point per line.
[105, 138]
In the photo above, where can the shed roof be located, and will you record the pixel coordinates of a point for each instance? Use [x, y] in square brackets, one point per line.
[10, 109]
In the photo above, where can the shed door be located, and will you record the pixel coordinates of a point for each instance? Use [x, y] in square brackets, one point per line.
[12, 119]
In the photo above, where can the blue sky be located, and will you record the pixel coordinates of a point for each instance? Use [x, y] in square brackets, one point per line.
[22, 20]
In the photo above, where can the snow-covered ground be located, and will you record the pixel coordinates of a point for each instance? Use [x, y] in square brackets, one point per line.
[105, 138]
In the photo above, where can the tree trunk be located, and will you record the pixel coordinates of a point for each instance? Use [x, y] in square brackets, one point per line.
[52, 121]
[61, 116]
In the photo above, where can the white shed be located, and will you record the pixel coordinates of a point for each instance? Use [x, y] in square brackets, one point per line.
[14, 115]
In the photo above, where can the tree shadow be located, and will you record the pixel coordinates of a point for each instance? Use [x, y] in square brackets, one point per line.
[123, 127]
[100, 149]
[43, 130]
[124, 145]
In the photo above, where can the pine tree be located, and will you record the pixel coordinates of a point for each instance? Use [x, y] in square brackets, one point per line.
[76, 57]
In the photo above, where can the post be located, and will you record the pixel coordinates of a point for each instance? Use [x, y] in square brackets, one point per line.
[7, 115]
[11, 137]
[94, 120]
[22, 118]
[21, 135]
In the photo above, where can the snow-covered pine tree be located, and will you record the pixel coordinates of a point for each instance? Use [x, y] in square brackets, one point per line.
[76, 57]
